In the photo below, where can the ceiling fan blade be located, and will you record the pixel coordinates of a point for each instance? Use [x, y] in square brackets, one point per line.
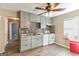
[42, 13]
[48, 3]
[56, 4]
[40, 8]
[60, 9]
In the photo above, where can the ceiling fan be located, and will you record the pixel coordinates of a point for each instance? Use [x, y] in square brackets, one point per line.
[50, 7]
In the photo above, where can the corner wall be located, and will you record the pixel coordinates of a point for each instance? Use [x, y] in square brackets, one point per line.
[58, 21]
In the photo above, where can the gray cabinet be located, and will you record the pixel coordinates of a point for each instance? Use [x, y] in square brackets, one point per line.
[38, 18]
[29, 42]
[43, 22]
[48, 39]
[24, 19]
[51, 38]
[25, 43]
[45, 39]
[37, 41]
[34, 42]
[35, 18]
[48, 21]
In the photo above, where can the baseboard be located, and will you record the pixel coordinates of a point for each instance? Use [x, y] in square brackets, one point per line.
[62, 45]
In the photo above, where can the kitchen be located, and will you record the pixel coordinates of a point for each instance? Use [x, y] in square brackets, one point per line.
[41, 35]
[36, 31]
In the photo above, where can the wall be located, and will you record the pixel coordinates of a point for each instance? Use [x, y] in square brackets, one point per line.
[58, 21]
[3, 27]
[2, 35]
[8, 13]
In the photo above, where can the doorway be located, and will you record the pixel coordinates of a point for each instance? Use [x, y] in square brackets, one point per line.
[13, 45]
[13, 30]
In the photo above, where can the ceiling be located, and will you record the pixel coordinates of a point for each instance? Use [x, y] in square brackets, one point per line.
[30, 7]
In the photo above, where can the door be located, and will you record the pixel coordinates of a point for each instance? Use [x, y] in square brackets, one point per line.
[14, 31]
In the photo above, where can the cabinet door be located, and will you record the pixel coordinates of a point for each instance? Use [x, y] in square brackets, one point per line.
[45, 39]
[48, 21]
[24, 17]
[25, 43]
[38, 18]
[51, 38]
[39, 40]
[25, 47]
[43, 22]
[33, 18]
[34, 42]
[26, 40]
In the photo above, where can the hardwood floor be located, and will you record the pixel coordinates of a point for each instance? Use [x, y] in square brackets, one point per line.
[50, 50]
[12, 47]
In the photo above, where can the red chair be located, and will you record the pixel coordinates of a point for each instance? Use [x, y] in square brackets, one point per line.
[74, 46]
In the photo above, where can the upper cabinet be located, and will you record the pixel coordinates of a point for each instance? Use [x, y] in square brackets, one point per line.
[35, 18]
[43, 22]
[24, 19]
[48, 21]
[38, 18]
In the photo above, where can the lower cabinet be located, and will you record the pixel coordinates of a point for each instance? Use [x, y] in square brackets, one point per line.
[25, 43]
[51, 38]
[37, 41]
[25, 47]
[34, 42]
[48, 39]
[29, 42]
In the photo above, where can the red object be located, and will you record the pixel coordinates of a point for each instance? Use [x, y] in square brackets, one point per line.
[74, 46]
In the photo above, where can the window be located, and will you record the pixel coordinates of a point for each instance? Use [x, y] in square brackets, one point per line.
[71, 28]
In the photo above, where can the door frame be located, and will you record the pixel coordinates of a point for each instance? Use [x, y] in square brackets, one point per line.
[10, 21]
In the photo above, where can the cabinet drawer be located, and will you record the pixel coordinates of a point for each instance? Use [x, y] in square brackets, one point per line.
[25, 47]
[27, 43]
[26, 40]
